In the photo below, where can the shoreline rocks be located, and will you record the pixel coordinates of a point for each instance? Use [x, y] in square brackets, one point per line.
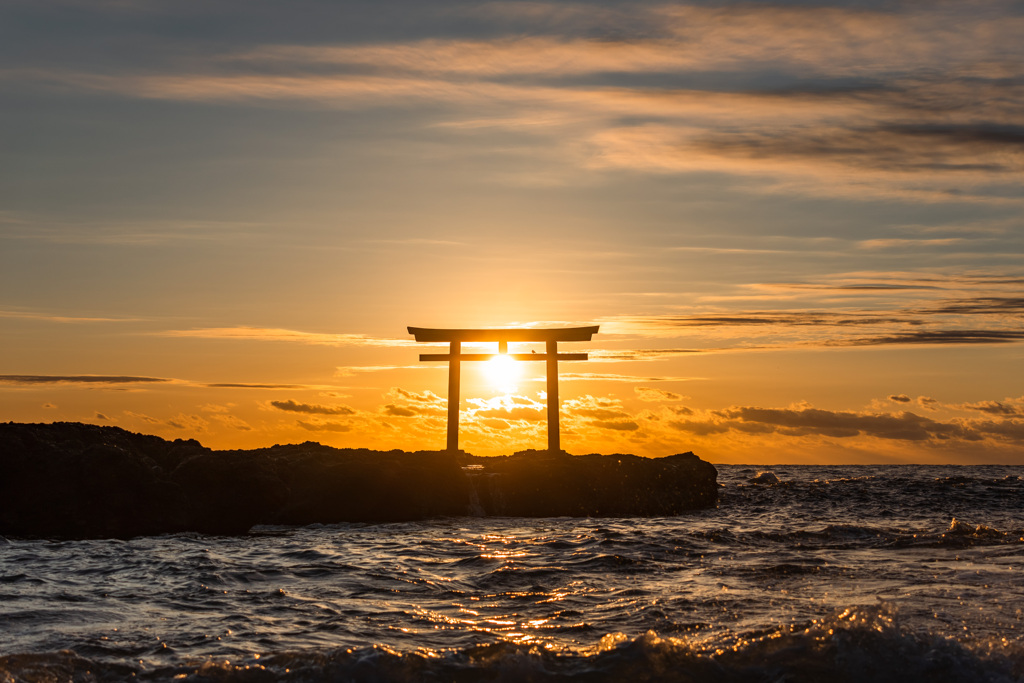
[73, 480]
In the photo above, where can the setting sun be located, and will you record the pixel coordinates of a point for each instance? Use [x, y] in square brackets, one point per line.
[502, 372]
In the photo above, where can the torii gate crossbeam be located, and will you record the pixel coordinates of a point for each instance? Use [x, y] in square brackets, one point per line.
[503, 336]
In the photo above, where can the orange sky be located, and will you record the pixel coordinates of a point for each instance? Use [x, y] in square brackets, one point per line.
[799, 227]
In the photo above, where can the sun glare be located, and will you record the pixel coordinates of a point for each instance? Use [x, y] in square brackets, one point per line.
[502, 372]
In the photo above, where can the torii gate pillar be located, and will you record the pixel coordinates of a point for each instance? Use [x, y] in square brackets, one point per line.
[454, 399]
[554, 430]
[550, 337]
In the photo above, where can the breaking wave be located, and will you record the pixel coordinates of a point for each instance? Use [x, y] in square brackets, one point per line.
[858, 644]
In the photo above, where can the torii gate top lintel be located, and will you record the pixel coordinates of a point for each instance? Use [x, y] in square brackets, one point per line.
[550, 337]
[513, 334]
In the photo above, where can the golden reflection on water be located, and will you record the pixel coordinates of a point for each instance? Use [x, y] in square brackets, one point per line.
[475, 615]
[501, 553]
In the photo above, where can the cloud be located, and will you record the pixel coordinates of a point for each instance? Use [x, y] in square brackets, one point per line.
[133, 379]
[80, 379]
[809, 157]
[418, 242]
[1012, 408]
[907, 101]
[903, 426]
[192, 423]
[46, 317]
[232, 422]
[852, 310]
[412, 404]
[610, 377]
[749, 324]
[507, 407]
[937, 337]
[601, 413]
[805, 422]
[143, 417]
[244, 385]
[789, 318]
[643, 354]
[900, 398]
[284, 335]
[865, 286]
[982, 305]
[325, 426]
[617, 425]
[888, 149]
[111, 232]
[660, 39]
[425, 397]
[311, 409]
[512, 413]
[912, 244]
[399, 411]
[652, 394]
[350, 370]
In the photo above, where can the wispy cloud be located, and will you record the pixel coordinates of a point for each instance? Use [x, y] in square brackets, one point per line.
[351, 370]
[653, 394]
[81, 379]
[611, 377]
[616, 355]
[599, 413]
[937, 337]
[325, 426]
[417, 242]
[814, 422]
[112, 232]
[312, 409]
[191, 422]
[896, 243]
[920, 101]
[56, 318]
[886, 310]
[120, 380]
[250, 385]
[685, 37]
[428, 397]
[245, 333]
[1009, 408]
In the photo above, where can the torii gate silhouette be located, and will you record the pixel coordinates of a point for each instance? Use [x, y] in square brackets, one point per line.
[550, 336]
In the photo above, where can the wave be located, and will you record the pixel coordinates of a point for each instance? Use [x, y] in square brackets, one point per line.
[992, 495]
[857, 644]
[959, 534]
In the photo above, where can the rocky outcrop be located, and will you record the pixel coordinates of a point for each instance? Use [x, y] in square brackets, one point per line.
[71, 480]
[539, 483]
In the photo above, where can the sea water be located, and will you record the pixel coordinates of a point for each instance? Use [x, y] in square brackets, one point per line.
[806, 573]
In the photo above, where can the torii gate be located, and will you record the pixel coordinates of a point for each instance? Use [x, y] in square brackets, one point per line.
[503, 336]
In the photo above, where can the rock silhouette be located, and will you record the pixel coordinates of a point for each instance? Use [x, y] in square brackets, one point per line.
[72, 480]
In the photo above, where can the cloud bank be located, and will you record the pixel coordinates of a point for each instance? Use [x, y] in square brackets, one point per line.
[917, 100]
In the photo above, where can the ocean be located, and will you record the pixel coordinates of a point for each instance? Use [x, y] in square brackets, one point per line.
[802, 573]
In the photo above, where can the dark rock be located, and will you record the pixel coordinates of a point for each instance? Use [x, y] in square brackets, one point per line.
[538, 483]
[71, 480]
[768, 478]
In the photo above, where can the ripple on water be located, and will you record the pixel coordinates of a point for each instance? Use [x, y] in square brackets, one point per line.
[770, 571]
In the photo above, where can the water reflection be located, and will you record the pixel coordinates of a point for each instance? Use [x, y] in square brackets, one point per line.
[765, 560]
